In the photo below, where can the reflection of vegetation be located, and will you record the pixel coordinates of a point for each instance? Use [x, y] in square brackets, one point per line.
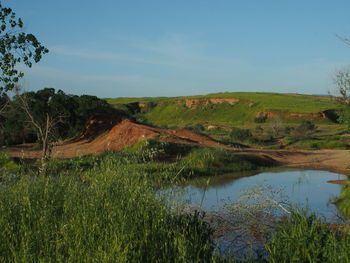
[250, 217]
[219, 180]
[207, 161]
[302, 178]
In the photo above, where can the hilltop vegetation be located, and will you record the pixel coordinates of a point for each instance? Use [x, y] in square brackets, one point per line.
[239, 108]
[269, 119]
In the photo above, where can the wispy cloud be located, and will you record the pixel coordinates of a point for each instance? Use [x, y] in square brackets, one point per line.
[98, 55]
[171, 50]
[173, 45]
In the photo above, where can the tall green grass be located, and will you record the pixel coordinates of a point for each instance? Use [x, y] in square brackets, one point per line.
[343, 202]
[303, 238]
[109, 216]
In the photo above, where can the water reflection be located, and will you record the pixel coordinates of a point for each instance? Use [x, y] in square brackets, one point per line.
[301, 187]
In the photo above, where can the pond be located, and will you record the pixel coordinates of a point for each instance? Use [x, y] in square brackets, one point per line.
[302, 188]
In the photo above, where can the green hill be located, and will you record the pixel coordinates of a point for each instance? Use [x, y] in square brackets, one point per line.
[233, 109]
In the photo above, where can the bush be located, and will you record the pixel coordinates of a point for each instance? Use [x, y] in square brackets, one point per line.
[153, 149]
[307, 126]
[304, 130]
[239, 134]
[259, 130]
[288, 130]
[260, 119]
[7, 166]
[197, 128]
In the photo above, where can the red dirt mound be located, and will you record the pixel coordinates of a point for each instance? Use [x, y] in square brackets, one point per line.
[127, 133]
[122, 135]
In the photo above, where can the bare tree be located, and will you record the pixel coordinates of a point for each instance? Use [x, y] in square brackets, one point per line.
[4, 102]
[276, 126]
[45, 129]
[342, 82]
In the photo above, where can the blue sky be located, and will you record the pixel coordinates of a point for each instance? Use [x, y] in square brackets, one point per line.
[171, 48]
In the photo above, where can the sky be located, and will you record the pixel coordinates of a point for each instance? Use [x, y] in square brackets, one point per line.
[133, 48]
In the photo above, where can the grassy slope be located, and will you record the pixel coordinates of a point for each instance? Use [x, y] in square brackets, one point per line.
[168, 112]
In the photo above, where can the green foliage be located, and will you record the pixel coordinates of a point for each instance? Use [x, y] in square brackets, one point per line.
[343, 202]
[304, 130]
[342, 81]
[14, 127]
[153, 149]
[240, 135]
[197, 128]
[7, 165]
[15, 47]
[303, 238]
[71, 114]
[260, 119]
[307, 126]
[344, 117]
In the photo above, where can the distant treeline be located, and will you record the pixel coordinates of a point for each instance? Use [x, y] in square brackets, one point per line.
[70, 112]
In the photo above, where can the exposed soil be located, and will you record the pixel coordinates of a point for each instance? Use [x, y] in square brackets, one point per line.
[195, 103]
[272, 115]
[127, 133]
[332, 160]
[122, 135]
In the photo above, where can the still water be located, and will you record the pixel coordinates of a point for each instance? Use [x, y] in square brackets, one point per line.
[301, 188]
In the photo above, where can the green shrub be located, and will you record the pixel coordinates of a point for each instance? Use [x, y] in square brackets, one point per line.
[239, 134]
[307, 126]
[198, 128]
[152, 149]
[260, 119]
[303, 238]
[7, 165]
[259, 130]
[304, 130]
